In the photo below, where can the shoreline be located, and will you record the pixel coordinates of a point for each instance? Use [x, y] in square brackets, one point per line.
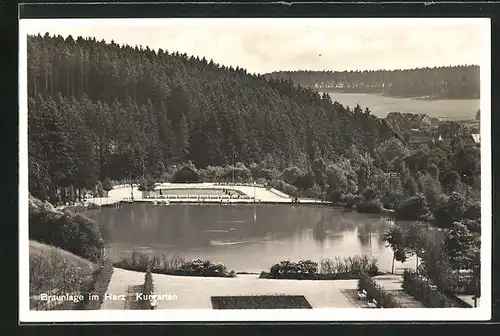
[385, 94]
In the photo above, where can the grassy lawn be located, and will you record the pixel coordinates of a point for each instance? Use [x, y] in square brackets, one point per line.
[54, 271]
[260, 302]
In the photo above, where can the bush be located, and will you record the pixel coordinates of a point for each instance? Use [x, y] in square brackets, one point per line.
[266, 174]
[284, 187]
[316, 192]
[304, 269]
[147, 291]
[107, 185]
[352, 201]
[392, 200]
[375, 291]
[370, 194]
[98, 286]
[473, 210]
[201, 267]
[175, 265]
[422, 291]
[71, 232]
[371, 207]
[146, 183]
[350, 266]
[328, 269]
[336, 196]
[414, 208]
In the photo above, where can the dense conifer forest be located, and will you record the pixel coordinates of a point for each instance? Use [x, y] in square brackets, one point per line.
[101, 110]
[459, 82]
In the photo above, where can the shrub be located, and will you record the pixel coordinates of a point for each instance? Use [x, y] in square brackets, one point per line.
[266, 174]
[414, 208]
[392, 200]
[336, 196]
[147, 291]
[473, 225]
[315, 192]
[350, 266]
[284, 187]
[71, 232]
[328, 269]
[202, 267]
[473, 210]
[370, 194]
[261, 181]
[352, 201]
[304, 269]
[423, 292]
[107, 185]
[175, 265]
[375, 291]
[371, 207]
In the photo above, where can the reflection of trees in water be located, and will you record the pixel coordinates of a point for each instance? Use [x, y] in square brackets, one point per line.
[190, 225]
[364, 239]
[319, 231]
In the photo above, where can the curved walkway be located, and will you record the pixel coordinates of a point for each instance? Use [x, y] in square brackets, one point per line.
[262, 194]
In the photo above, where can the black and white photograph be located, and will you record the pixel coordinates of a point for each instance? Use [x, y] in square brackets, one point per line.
[254, 169]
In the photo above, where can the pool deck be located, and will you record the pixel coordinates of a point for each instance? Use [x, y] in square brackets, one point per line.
[262, 195]
[184, 292]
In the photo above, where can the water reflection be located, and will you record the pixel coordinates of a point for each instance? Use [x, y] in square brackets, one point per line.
[245, 237]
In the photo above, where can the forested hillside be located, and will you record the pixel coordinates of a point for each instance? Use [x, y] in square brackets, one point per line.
[101, 110]
[461, 82]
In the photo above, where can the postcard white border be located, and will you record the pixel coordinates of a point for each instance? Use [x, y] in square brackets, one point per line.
[193, 315]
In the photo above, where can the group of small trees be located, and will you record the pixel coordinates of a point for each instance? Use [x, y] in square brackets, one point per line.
[442, 255]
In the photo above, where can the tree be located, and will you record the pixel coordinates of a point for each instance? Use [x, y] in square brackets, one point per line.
[291, 174]
[459, 245]
[370, 194]
[414, 208]
[395, 239]
[305, 181]
[107, 185]
[337, 179]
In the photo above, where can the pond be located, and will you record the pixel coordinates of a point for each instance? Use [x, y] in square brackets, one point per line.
[453, 109]
[248, 237]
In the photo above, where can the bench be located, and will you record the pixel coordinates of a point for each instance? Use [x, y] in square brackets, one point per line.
[372, 304]
[362, 295]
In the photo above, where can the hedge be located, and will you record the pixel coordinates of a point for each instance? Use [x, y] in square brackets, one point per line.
[161, 264]
[98, 286]
[147, 290]
[375, 291]
[71, 232]
[422, 291]
[329, 269]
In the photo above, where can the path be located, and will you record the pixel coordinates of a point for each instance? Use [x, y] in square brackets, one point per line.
[120, 289]
[182, 292]
[393, 283]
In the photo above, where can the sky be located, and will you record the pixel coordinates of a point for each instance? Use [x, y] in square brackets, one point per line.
[266, 45]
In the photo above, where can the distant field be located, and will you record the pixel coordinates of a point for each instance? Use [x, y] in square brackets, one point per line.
[380, 106]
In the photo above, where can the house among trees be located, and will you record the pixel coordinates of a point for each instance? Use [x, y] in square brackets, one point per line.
[394, 117]
[476, 139]
[416, 137]
[186, 174]
[407, 121]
